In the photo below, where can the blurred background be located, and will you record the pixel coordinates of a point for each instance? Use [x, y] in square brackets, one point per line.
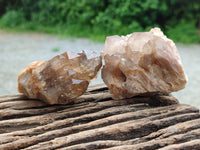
[38, 30]
[95, 19]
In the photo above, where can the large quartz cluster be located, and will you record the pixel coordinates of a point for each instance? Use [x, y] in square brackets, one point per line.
[142, 62]
[60, 79]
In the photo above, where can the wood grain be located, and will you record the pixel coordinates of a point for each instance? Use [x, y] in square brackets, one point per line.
[96, 121]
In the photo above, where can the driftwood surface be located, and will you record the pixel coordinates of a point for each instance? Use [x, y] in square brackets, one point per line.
[96, 121]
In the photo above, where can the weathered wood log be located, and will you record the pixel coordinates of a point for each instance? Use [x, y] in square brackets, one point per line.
[96, 121]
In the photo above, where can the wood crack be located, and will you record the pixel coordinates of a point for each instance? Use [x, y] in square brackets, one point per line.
[96, 121]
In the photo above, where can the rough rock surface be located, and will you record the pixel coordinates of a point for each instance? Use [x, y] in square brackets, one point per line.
[142, 62]
[60, 79]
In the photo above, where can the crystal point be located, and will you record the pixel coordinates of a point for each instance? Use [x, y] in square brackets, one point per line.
[142, 62]
[60, 79]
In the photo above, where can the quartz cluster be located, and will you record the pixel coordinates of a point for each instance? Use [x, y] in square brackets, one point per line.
[142, 62]
[60, 79]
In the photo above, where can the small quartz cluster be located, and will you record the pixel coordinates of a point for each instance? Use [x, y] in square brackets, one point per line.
[60, 79]
[142, 62]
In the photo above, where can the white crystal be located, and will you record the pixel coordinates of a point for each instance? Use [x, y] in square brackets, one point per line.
[142, 62]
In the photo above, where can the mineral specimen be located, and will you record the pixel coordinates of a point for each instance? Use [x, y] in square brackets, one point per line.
[142, 62]
[60, 79]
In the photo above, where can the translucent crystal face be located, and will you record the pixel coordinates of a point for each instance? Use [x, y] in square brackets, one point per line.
[71, 55]
[90, 54]
[60, 79]
[142, 62]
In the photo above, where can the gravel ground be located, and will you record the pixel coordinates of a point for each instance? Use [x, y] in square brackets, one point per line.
[19, 50]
